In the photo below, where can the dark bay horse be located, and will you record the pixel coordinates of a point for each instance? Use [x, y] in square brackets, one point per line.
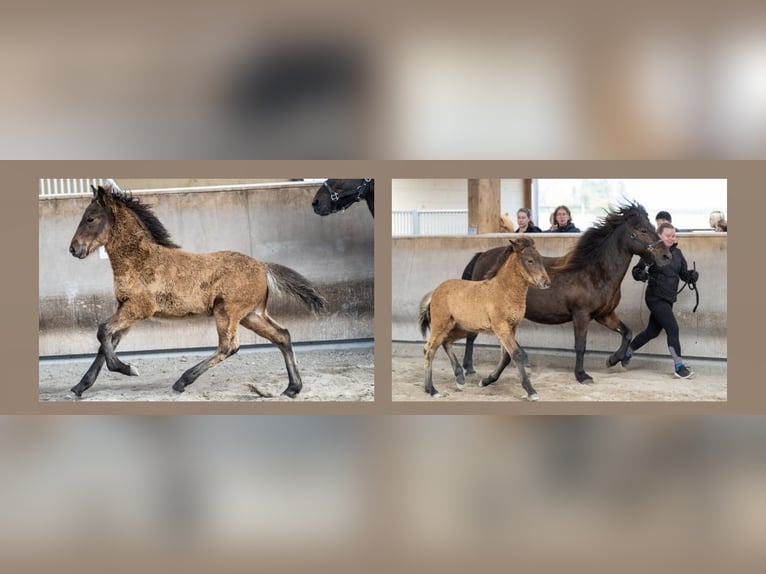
[585, 283]
[337, 195]
[154, 277]
[494, 305]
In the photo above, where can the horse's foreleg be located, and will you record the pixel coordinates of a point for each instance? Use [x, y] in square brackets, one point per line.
[107, 333]
[468, 356]
[508, 341]
[612, 322]
[505, 360]
[228, 344]
[519, 357]
[266, 327]
[580, 322]
[92, 373]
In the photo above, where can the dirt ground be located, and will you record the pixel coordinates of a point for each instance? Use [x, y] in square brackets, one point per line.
[328, 373]
[552, 375]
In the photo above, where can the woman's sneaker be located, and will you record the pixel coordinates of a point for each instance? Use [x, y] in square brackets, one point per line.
[683, 372]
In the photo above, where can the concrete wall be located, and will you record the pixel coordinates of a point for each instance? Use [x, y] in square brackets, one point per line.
[335, 252]
[420, 263]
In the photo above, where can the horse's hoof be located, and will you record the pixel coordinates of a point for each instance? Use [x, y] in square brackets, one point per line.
[179, 387]
[469, 370]
[436, 396]
[76, 391]
[533, 397]
[486, 382]
[459, 387]
[584, 379]
[611, 361]
[132, 371]
[289, 393]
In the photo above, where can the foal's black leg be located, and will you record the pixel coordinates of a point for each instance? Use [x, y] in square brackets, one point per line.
[92, 373]
[192, 374]
[525, 382]
[520, 357]
[468, 356]
[456, 368]
[113, 363]
[266, 327]
[494, 375]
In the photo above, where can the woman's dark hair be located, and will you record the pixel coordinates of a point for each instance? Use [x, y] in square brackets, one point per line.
[529, 216]
[565, 208]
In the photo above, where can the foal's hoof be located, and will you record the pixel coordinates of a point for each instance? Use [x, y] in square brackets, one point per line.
[179, 387]
[77, 392]
[290, 393]
[469, 370]
[132, 371]
[486, 382]
[532, 397]
[611, 361]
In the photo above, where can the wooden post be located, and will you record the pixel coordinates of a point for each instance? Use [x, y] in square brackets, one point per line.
[483, 206]
[528, 193]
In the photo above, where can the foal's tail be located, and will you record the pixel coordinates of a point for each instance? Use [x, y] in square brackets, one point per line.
[468, 271]
[281, 278]
[424, 314]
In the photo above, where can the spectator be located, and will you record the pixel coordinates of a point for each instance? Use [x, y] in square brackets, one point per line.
[662, 217]
[526, 225]
[660, 296]
[718, 221]
[562, 221]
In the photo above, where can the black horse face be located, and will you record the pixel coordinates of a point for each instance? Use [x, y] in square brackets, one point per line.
[645, 242]
[337, 194]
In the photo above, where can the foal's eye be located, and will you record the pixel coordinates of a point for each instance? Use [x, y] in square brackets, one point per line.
[90, 220]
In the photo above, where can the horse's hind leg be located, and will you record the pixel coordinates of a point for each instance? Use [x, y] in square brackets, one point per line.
[456, 368]
[92, 373]
[228, 344]
[268, 328]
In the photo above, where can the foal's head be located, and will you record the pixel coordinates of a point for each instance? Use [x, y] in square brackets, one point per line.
[98, 221]
[530, 263]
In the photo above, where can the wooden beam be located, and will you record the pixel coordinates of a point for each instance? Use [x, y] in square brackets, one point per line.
[483, 206]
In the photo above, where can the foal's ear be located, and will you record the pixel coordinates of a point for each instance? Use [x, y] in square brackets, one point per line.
[521, 243]
[100, 195]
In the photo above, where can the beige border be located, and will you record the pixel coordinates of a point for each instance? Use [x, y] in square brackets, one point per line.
[18, 235]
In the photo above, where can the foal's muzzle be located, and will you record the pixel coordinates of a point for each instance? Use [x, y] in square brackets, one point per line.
[78, 250]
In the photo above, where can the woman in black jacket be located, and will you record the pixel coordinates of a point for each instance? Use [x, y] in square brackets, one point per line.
[562, 221]
[660, 296]
[524, 219]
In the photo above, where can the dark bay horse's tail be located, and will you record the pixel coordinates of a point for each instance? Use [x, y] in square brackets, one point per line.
[281, 278]
[424, 314]
[468, 271]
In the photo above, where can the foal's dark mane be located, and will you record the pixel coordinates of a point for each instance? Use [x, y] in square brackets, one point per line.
[159, 234]
[594, 243]
[499, 263]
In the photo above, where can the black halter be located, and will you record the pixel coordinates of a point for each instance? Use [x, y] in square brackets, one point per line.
[348, 197]
[650, 247]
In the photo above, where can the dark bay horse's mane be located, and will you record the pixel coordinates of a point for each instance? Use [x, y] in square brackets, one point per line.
[146, 216]
[594, 243]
